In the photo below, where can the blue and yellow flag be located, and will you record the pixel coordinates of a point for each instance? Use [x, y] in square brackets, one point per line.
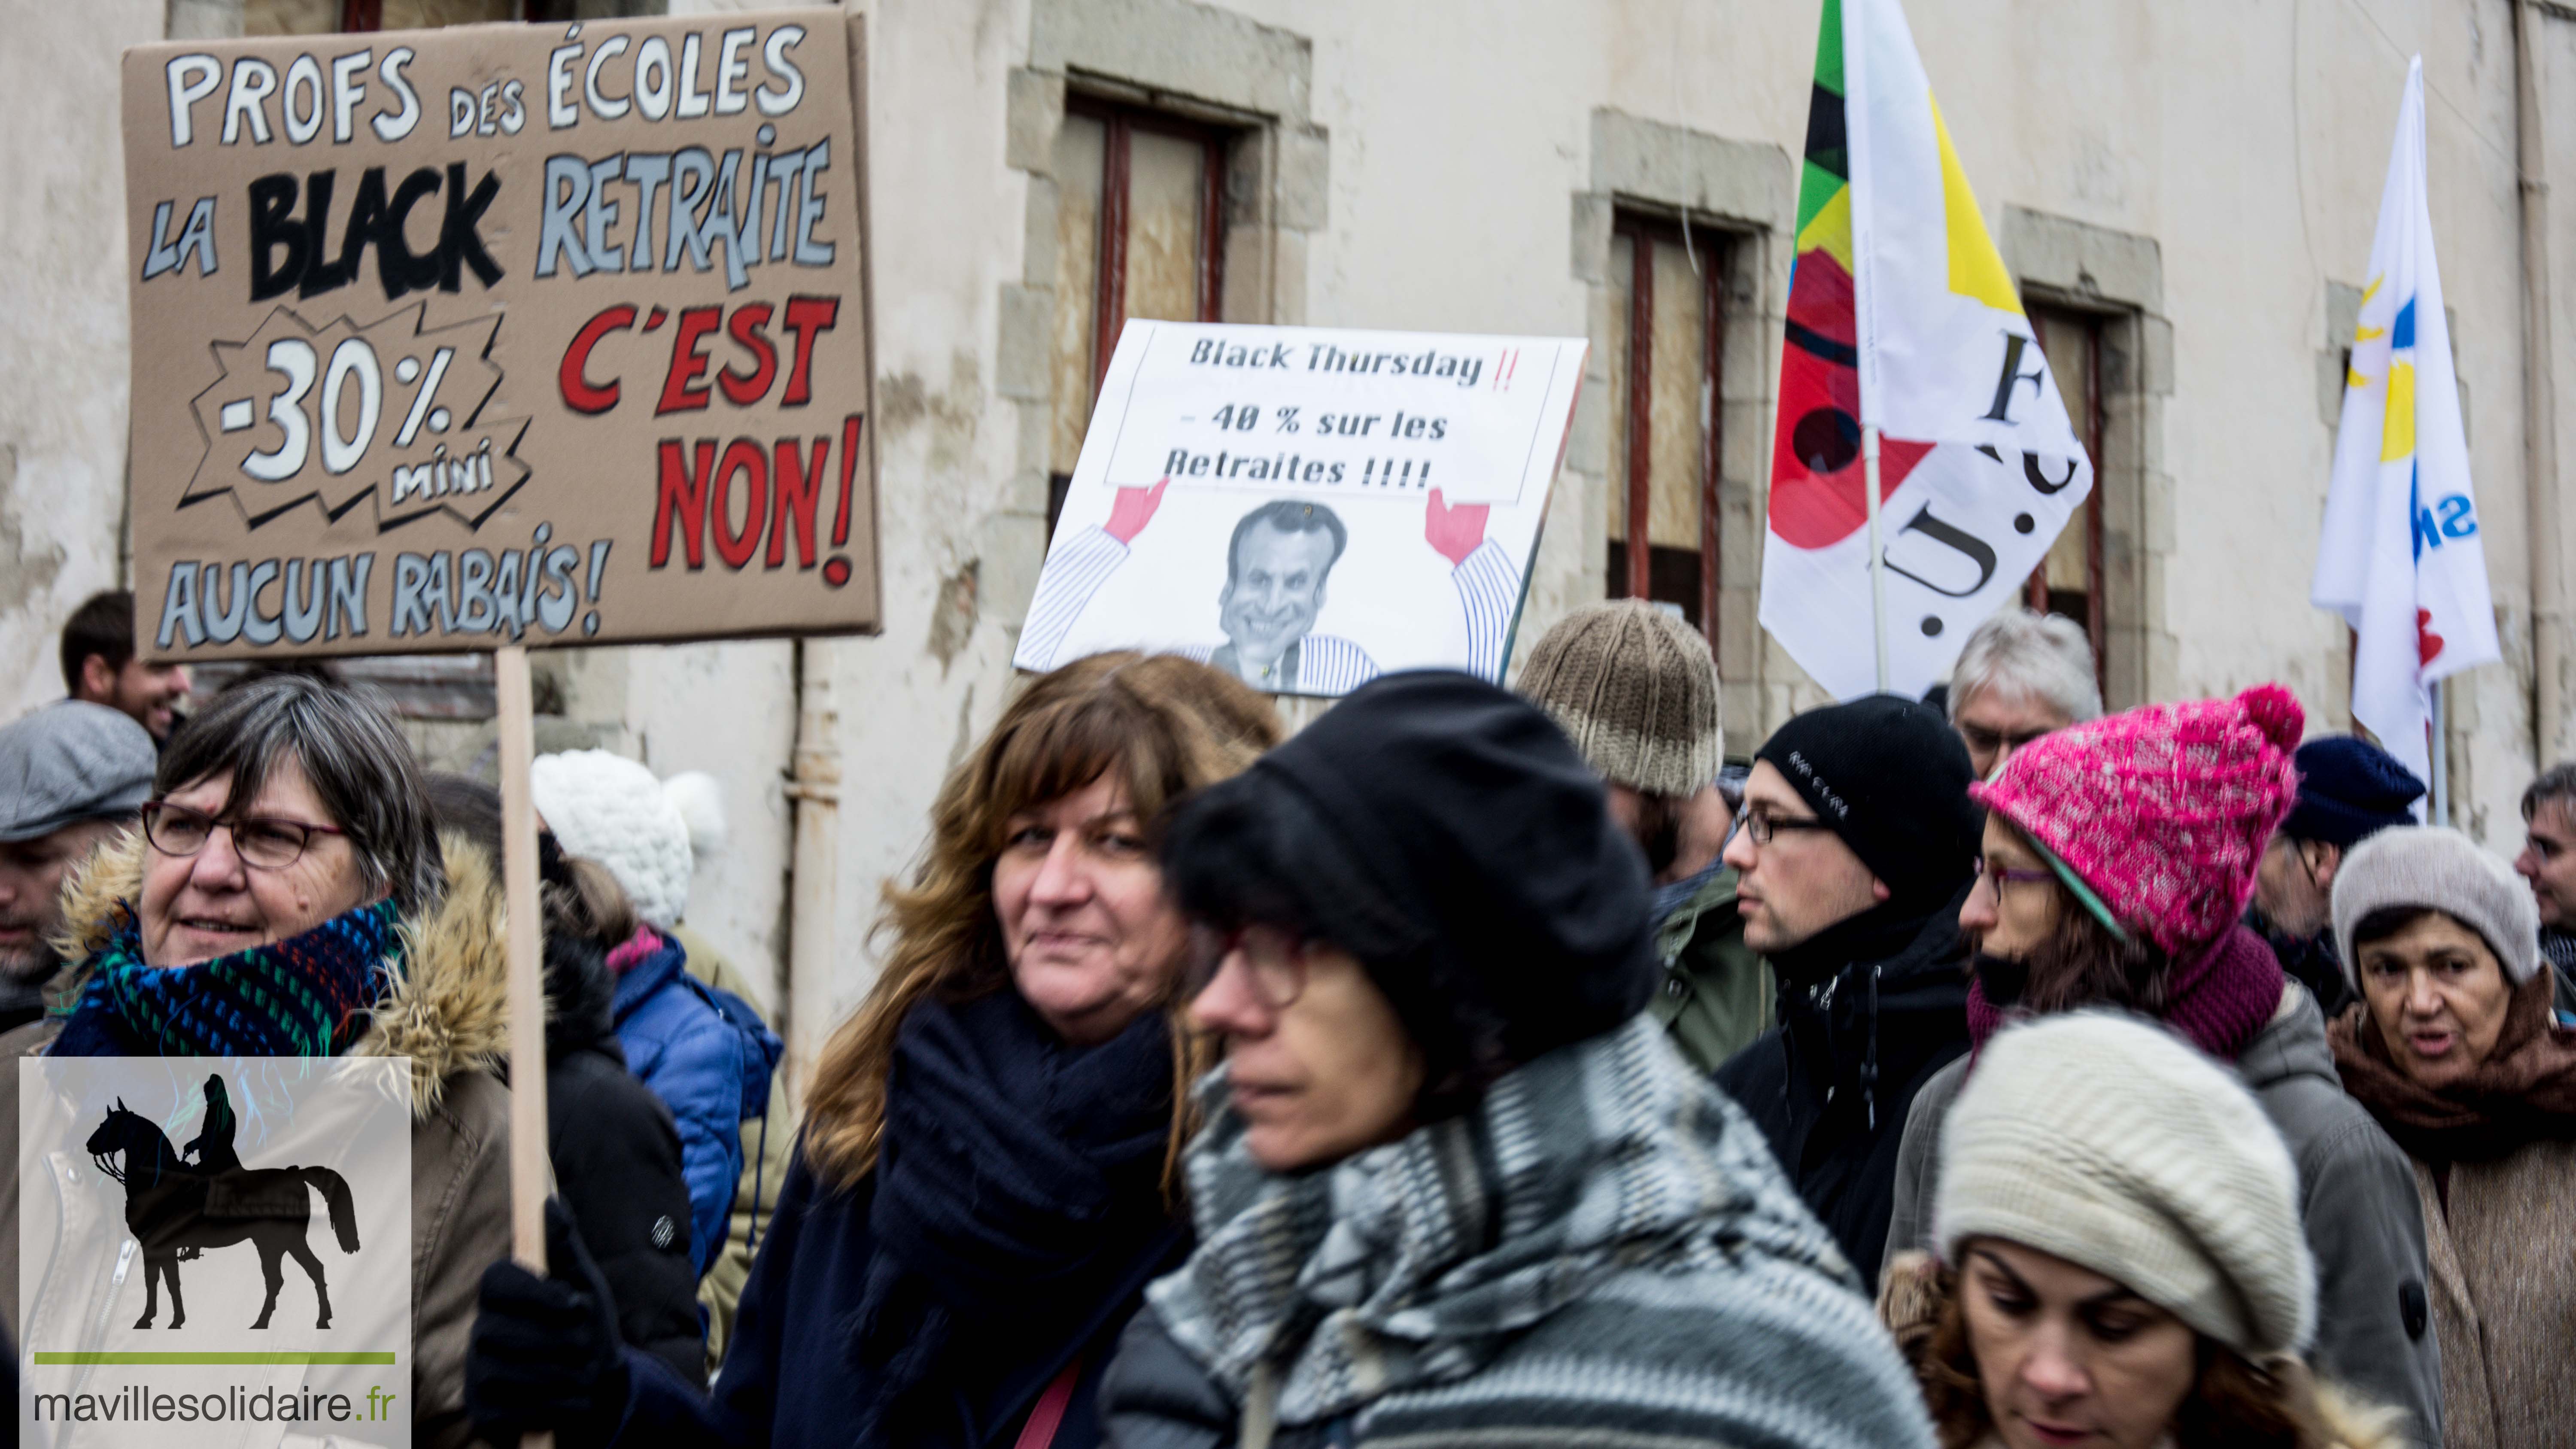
[2400, 557]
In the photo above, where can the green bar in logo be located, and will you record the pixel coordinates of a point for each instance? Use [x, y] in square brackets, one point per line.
[282, 1357]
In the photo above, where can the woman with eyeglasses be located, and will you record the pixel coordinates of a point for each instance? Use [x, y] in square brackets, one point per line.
[986, 1179]
[2118, 859]
[1455, 1186]
[287, 896]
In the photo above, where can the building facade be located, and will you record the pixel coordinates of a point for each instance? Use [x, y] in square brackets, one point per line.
[2184, 189]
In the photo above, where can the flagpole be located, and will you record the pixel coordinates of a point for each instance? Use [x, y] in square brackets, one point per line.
[2441, 742]
[1877, 559]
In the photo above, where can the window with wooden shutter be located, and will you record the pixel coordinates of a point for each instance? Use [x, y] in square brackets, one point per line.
[2069, 580]
[1140, 232]
[1667, 327]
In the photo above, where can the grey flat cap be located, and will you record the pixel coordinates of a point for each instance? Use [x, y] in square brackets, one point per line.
[70, 762]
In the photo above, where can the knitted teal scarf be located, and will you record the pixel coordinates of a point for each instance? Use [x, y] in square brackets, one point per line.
[305, 996]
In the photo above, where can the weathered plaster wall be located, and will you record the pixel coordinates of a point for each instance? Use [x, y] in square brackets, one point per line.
[62, 345]
[1448, 164]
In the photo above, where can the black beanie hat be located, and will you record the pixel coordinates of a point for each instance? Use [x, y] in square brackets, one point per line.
[2349, 790]
[1891, 778]
[1447, 834]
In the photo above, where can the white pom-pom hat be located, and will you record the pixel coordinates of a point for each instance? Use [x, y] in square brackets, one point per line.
[647, 831]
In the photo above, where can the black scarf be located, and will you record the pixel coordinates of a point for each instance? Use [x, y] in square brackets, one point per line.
[1877, 934]
[1917, 973]
[1019, 1182]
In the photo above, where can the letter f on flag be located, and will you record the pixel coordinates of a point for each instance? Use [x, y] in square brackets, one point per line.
[1903, 322]
[2400, 557]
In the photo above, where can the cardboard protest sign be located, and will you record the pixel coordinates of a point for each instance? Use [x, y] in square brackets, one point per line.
[503, 334]
[1307, 507]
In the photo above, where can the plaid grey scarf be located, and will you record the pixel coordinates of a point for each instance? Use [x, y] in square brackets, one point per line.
[1413, 1265]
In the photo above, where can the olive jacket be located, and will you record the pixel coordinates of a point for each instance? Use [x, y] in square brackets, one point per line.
[449, 1013]
[1716, 995]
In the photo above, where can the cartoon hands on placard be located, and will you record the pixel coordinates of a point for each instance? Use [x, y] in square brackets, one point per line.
[1455, 532]
[1132, 510]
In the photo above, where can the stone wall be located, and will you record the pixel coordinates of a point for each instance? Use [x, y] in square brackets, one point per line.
[2202, 173]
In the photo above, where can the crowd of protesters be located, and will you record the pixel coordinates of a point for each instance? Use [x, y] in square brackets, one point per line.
[1473, 1066]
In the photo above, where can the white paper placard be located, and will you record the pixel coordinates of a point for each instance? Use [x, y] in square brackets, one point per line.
[1307, 507]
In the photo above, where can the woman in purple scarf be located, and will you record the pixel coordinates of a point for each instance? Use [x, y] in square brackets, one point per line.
[2118, 859]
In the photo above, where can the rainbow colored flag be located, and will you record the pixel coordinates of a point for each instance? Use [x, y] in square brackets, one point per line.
[1902, 319]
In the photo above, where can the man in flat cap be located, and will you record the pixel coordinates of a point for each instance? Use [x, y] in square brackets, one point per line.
[71, 775]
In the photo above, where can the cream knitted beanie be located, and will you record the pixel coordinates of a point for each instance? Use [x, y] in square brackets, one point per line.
[645, 830]
[1636, 688]
[2437, 868]
[2104, 1140]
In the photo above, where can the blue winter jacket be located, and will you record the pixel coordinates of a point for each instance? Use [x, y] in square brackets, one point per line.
[707, 1055]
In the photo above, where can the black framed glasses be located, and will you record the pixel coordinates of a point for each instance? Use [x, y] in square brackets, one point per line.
[263, 842]
[1274, 961]
[1761, 828]
[1983, 741]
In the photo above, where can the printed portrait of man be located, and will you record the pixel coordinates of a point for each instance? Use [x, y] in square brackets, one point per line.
[1279, 559]
[1277, 563]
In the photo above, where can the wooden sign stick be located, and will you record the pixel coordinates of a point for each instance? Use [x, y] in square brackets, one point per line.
[529, 1174]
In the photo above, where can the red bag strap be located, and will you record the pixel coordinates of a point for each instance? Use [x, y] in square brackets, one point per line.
[1048, 1416]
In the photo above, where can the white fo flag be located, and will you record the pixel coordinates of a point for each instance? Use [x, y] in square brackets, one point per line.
[2400, 556]
[1902, 316]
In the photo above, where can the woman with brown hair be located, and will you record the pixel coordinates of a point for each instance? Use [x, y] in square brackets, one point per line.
[2455, 1049]
[2118, 859]
[986, 1178]
[2121, 1262]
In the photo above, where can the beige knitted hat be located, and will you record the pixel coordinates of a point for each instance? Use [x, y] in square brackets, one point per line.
[1637, 689]
[2433, 867]
[2105, 1140]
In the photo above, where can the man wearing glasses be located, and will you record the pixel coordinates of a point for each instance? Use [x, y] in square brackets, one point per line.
[71, 775]
[2349, 791]
[2021, 675]
[1856, 848]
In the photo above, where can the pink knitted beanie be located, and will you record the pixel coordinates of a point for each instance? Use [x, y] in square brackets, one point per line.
[2164, 810]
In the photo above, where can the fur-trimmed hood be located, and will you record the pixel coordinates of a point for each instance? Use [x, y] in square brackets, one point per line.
[448, 1010]
[2350, 1428]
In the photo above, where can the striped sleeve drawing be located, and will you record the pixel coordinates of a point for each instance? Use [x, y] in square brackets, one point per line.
[1328, 665]
[1074, 572]
[1490, 588]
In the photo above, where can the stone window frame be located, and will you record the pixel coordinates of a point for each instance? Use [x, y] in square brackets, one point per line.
[1746, 190]
[1120, 120]
[1194, 62]
[1709, 248]
[2118, 276]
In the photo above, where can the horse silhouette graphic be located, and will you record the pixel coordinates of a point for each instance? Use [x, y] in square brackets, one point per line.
[176, 1209]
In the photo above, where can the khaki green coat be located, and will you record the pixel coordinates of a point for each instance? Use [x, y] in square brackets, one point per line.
[1715, 997]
